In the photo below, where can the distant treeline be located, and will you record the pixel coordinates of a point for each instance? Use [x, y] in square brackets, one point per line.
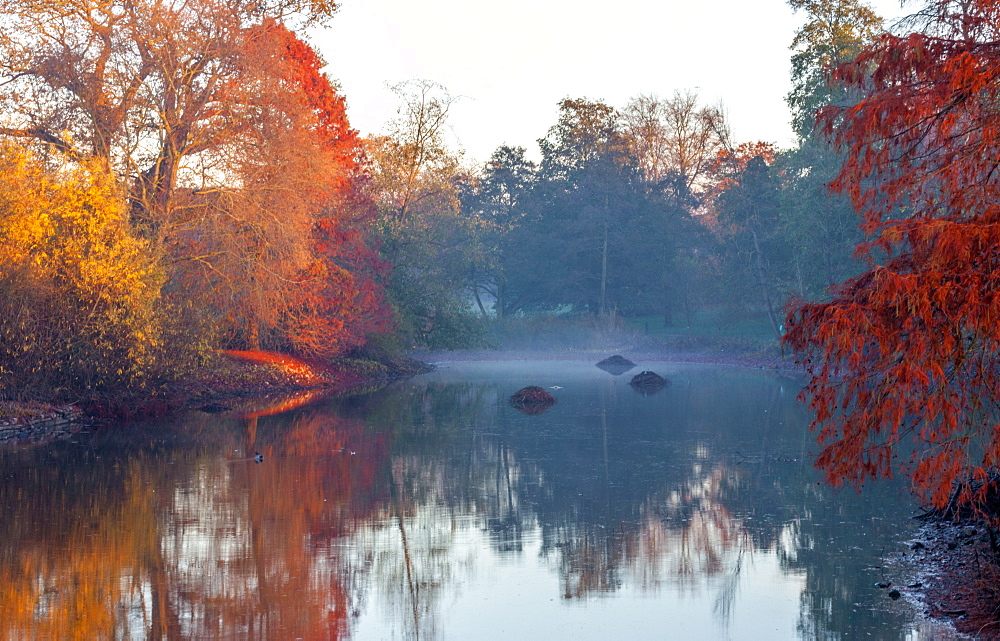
[648, 210]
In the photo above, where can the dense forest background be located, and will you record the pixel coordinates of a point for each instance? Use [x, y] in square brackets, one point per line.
[646, 218]
[183, 178]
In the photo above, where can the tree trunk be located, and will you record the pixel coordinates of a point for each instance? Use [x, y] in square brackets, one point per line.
[604, 272]
[479, 302]
[762, 277]
[253, 336]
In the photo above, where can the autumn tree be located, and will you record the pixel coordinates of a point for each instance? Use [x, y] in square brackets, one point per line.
[279, 251]
[820, 226]
[415, 182]
[142, 86]
[907, 351]
[675, 142]
[834, 33]
[413, 162]
[675, 137]
[232, 146]
[79, 294]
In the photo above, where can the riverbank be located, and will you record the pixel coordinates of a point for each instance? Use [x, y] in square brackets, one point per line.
[31, 422]
[251, 373]
[771, 358]
[228, 375]
[236, 374]
[959, 577]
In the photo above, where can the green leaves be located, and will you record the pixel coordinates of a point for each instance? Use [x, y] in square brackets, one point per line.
[835, 31]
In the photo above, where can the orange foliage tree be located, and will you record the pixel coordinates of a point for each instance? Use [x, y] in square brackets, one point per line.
[349, 296]
[909, 350]
[231, 146]
[281, 252]
[730, 162]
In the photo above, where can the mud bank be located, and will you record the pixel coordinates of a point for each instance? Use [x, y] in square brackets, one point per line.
[959, 577]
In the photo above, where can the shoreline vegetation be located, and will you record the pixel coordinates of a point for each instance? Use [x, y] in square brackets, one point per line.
[240, 374]
[227, 376]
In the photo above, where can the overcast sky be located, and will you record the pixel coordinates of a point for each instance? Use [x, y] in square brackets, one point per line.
[512, 62]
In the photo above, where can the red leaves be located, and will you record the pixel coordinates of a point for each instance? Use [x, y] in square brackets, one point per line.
[334, 300]
[911, 346]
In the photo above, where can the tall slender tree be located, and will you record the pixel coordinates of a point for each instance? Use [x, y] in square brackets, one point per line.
[416, 184]
[821, 227]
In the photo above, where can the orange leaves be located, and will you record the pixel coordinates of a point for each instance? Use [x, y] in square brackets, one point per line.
[279, 256]
[79, 298]
[730, 162]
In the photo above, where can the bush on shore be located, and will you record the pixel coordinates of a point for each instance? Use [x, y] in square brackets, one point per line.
[81, 309]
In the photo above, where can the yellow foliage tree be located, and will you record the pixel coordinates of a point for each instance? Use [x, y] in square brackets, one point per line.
[78, 291]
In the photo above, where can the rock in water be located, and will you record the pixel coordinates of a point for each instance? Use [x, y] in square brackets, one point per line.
[532, 400]
[648, 382]
[616, 365]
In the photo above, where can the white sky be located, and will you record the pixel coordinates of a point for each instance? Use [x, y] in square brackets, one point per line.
[513, 61]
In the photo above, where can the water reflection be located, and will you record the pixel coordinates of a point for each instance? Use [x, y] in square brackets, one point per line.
[400, 513]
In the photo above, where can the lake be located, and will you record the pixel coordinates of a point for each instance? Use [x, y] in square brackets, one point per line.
[433, 509]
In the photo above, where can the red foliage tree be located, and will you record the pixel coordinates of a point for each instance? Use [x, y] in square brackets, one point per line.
[341, 302]
[908, 352]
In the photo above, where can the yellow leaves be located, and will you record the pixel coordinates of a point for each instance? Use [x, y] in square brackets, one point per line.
[77, 290]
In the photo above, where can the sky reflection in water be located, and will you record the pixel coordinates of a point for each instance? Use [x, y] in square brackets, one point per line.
[432, 509]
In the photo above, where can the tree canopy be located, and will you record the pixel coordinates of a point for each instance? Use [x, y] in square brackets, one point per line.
[907, 351]
[230, 159]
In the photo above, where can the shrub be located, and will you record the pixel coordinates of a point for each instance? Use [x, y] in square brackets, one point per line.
[79, 292]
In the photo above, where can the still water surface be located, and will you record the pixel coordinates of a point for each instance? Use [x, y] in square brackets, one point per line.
[432, 509]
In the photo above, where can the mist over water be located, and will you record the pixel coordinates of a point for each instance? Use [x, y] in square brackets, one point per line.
[433, 509]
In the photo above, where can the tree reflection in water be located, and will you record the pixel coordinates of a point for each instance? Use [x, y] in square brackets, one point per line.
[681, 493]
[183, 539]
[149, 532]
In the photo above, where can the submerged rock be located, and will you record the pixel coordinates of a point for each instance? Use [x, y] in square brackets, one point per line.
[616, 365]
[648, 382]
[532, 400]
